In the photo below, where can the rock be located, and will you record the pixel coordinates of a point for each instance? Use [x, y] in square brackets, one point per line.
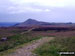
[3, 38]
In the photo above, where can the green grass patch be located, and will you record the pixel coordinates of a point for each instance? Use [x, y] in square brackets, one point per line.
[53, 47]
[16, 40]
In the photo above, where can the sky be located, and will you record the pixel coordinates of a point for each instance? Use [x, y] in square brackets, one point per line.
[41, 10]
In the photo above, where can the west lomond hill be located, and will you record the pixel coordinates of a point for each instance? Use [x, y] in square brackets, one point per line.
[32, 22]
[35, 25]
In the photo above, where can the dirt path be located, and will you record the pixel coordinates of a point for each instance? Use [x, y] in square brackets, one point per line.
[27, 49]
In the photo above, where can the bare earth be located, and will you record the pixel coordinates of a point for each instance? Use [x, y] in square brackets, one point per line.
[27, 49]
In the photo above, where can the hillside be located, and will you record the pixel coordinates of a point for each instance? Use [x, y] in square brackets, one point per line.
[32, 22]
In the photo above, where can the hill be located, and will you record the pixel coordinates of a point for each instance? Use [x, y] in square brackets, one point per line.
[35, 23]
[32, 22]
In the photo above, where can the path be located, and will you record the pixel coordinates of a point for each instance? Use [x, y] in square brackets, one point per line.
[27, 49]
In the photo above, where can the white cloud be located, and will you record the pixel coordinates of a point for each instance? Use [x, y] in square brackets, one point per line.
[42, 9]
[53, 3]
[47, 10]
[22, 6]
[14, 10]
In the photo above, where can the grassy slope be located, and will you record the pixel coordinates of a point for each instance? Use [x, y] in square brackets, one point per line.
[58, 44]
[15, 40]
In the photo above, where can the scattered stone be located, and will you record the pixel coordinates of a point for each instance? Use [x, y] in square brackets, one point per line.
[3, 38]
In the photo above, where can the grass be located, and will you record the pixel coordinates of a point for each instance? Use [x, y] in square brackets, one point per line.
[63, 42]
[12, 50]
[53, 47]
[16, 40]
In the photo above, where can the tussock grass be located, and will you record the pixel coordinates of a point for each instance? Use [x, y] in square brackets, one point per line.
[53, 47]
[16, 40]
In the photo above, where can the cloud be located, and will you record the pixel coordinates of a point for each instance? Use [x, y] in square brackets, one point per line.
[13, 10]
[40, 9]
[54, 3]
[23, 6]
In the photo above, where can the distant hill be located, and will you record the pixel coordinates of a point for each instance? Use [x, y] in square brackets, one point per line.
[32, 22]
